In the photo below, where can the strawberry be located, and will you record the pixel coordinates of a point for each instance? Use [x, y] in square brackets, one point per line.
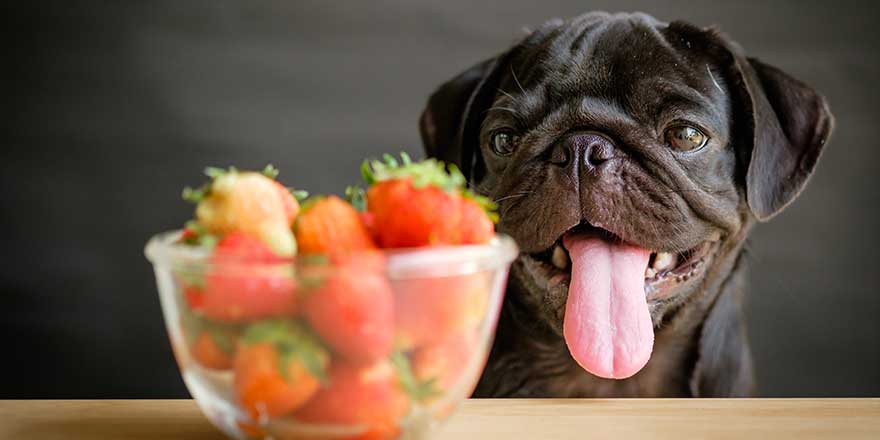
[356, 395]
[406, 217]
[430, 309]
[209, 353]
[424, 204]
[288, 202]
[191, 280]
[278, 367]
[194, 234]
[251, 430]
[211, 344]
[444, 363]
[352, 307]
[246, 281]
[248, 202]
[189, 235]
[329, 225]
[194, 297]
[475, 226]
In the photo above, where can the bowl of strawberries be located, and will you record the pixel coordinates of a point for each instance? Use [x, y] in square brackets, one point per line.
[369, 316]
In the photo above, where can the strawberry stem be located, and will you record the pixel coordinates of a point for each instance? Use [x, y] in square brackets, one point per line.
[417, 390]
[196, 195]
[270, 171]
[214, 172]
[357, 197]
[299, 194]
[291, 340]
[198, 235]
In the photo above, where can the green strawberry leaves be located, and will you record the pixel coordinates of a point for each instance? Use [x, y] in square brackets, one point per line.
[214, 172]
[196, 195]
[196, 235]
[307, 204]
[488, 206]
[298, 194]
[270, 171]
[224, 341]
[223, 335]
[292, 341]
[426, 172]
[357, 197]
[418, 391]
[423, 173]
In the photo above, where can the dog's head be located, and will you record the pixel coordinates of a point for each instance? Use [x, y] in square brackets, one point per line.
[625, 155]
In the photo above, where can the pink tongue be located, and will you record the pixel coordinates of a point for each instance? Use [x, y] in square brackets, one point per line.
[607, 325]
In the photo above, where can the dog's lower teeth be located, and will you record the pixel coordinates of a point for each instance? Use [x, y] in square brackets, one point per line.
[664, 261]
[559, 257]
[650, 272]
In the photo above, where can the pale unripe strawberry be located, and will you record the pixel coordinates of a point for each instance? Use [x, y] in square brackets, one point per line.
[251, 203]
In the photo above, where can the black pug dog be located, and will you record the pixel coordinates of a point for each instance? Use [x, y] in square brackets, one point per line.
[629, 159]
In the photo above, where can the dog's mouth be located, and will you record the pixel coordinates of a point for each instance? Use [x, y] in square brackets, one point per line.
[610, 286]
[666, 271]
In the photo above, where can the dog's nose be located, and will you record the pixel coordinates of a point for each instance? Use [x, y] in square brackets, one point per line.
[590, 148]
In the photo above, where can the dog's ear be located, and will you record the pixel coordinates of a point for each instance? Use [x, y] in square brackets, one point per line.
[791, 124]
[780, 124]
[451, 121]
[783, 127]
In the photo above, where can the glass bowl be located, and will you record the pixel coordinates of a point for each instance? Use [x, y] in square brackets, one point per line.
[377, 344]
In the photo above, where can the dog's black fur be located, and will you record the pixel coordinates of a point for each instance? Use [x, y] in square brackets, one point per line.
[629, 77]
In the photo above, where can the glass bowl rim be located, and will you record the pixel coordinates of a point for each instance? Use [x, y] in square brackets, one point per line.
[163, 249]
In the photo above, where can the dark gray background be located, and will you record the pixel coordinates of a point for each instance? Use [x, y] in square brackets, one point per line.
[113, 107]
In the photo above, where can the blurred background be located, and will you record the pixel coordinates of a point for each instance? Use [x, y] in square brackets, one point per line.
[113, 107]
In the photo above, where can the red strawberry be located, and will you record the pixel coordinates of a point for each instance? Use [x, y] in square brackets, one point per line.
[424, 204]
[370, 396]
[368, 219]
[429, 310]
[207, 352]
[189, 235]
[194, 297]
[278, 367]
[211, 344]
[475, 226]
[352, 307]
[404, 216]
[445, 362]
[246, 281]
[330, 225]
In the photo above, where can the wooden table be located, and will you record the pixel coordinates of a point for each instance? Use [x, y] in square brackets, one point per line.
[485, 419]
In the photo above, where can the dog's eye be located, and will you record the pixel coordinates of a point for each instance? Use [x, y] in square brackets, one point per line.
[504, 142]
[685, 138]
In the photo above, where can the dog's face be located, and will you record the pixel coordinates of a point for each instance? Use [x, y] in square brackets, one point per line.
[614, 129]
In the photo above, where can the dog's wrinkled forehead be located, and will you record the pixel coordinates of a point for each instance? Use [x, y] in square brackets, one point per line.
[632, 61]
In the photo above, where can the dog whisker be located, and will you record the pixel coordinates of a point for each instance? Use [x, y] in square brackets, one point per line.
[512, 196]
[506, 109]
[501, 91]
[515, 79]
[682, 191]
[512, 98]
[713, 79]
